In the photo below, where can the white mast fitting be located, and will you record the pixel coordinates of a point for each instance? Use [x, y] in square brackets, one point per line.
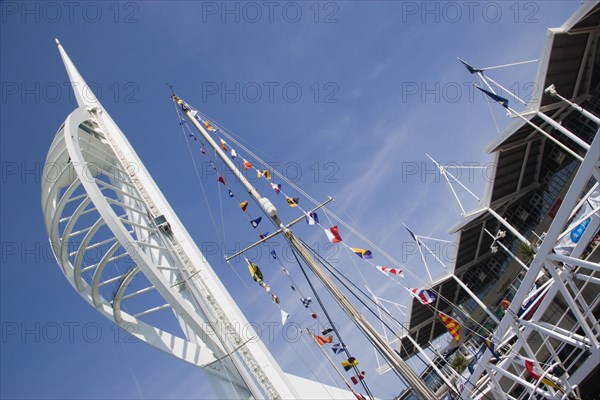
[101, 199]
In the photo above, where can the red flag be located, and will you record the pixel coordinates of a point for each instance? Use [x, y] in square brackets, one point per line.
[221, 179]
[321, 340]
[393, 271]
[358, 378]
[333, 234]
[247, 165]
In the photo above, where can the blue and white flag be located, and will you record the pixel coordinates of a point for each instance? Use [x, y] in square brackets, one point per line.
[424, 296]
[255, 222]
[311, 218]
[337, 348]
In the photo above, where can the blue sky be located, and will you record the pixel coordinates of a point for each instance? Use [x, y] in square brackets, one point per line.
[360, 92]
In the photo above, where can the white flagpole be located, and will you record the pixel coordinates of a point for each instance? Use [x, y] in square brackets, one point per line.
[542, 115]
[510, 253]
[551, 90]
[459, 281]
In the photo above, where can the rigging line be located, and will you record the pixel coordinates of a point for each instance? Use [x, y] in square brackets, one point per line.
[204, 193]
[335, 367]
[370, 299]
[323, 261]
[328, 213]
[199, 179]
[230, 135]
[511, 64]
[491, 111]
[312, 370]
[408, 271]
[222, 214]
[319, 258]
[395, 372]
[345, 349]
[415, 276]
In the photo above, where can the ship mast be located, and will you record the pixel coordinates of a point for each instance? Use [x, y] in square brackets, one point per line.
[387, 352]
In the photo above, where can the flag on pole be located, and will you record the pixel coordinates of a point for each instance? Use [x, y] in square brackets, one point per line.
[338, 348]
[321, 340]
[202, 150]
[221, 179]
[475, 359]
[452, 326]
[255, 222]
[233, 154]
[358, 378]
[255, 271]
[209, 126]
[362, 253]
[333, 234]
[537, 374]
[392, 271]
[470, 68]
[265, 286]
[247, 165]
[230, 193]
[273, 254]
[224, 145]
[276, 187]
[275, 298]
[311, 218]
[411, 234]
[266, 173]
[243, 205]
[284, 317]
[424, 296]
[494, 96]
[532, 302]
[349, 363]
[326, 331]
[292, 201]
[264, 235]
[490, 345]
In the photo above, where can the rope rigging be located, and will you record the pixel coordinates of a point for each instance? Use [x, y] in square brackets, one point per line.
[363, 253]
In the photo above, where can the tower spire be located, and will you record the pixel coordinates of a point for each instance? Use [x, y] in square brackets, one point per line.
[83, 94]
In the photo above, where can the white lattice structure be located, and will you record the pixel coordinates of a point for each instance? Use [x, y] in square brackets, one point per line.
[124, 250]
[563, 330]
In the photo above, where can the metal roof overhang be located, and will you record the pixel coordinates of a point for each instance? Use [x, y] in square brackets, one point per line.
[570, 61]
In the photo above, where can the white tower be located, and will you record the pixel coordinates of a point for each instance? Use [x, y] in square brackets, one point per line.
[124, 250]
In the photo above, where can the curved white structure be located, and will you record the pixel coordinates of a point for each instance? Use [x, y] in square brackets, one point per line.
[124, 250]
